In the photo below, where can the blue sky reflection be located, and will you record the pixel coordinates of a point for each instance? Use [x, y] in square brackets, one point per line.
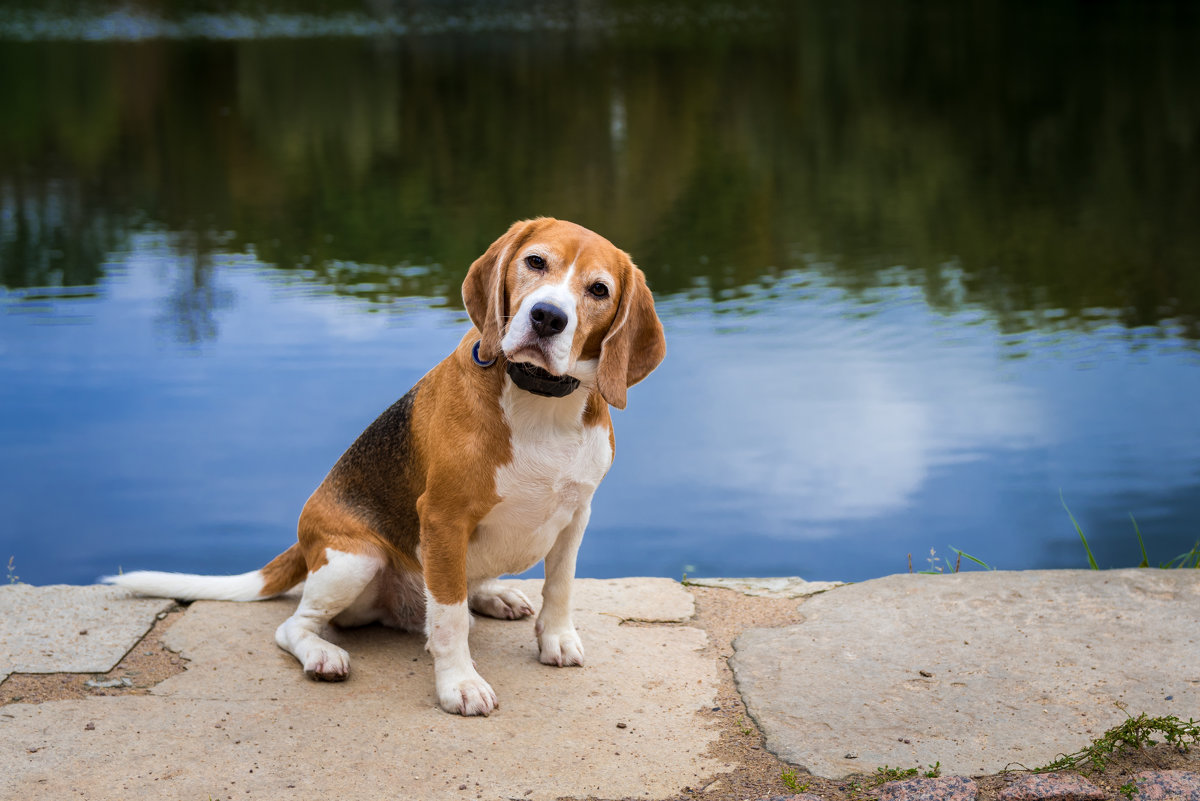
[812, 433]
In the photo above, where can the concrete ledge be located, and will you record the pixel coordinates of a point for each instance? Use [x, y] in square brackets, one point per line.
[243, 717]
[978, 671]
[62, 628]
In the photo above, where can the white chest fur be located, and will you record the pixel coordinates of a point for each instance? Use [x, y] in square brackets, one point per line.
[557, 463]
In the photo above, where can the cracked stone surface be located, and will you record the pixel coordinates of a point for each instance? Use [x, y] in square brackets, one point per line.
[975, 670]
[62, 628]
[777, 587]
[242, 717]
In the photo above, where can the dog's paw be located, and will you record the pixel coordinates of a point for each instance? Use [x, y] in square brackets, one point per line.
[470, 695]
[327, 663]
[502, 602]
[560, 648]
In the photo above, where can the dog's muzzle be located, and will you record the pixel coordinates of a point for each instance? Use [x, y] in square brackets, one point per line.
[532, 378]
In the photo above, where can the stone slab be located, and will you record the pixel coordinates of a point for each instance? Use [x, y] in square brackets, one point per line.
[978, 671]
[1052, 787]
[775, 587]
[242, 717]
[941, 788]
[42, 628]
[1167, 785]
[656, 600]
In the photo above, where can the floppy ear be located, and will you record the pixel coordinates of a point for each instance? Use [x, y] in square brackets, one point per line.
[634, 345]
[483, 289]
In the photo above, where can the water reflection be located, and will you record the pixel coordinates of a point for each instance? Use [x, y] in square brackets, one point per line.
[1050, 152]
[815, 439]
[828, 436]
[922, 267]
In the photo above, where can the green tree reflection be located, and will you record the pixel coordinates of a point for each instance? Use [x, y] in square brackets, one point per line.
[1051, 152]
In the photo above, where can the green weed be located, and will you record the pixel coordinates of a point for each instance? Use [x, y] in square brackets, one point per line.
[889, 774]
[1190, 559]
[1133, 734]
[788, 777]
[11, 570]
[1127, 789]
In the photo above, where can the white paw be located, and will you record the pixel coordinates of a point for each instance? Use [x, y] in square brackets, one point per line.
[326, 662]
[470, 695]
[502, 602]
[562, 648]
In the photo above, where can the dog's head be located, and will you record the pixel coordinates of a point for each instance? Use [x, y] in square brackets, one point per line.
[555, 295]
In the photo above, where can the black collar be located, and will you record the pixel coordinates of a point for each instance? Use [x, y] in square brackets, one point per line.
[540, 382]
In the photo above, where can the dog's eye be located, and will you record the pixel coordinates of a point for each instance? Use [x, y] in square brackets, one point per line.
[599, 290]
[535, 262]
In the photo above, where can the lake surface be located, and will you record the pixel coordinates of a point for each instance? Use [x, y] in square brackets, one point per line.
[923, 268]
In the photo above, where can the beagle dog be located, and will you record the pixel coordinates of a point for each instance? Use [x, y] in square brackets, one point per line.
[486, 467]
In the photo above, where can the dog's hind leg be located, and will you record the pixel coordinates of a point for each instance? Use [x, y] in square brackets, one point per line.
[330, 589]
[490, 597]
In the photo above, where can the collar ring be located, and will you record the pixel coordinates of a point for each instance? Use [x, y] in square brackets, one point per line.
[475, 356]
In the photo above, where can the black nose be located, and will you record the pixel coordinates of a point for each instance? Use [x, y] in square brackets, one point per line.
[547, 319]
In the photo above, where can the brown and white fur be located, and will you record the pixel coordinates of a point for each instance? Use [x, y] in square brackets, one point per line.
[468, 477]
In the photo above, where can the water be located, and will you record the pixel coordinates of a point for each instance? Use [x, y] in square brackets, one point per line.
[922, 268]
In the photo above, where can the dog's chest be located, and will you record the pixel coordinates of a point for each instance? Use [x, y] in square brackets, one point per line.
[557, 463]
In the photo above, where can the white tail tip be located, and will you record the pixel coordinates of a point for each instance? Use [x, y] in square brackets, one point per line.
[188, 587]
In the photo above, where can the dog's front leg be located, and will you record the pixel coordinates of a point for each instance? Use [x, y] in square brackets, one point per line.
[460, 688]
[558, 642]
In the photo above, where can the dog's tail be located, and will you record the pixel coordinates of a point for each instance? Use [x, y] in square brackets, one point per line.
[279, 575]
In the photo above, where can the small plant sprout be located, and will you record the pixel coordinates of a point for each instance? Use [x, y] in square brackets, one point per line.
[889, 774]
[932, 559]
[11, 570]
[788, 777]
[944, 565]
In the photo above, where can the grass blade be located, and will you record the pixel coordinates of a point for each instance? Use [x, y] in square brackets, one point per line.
[966, 555]
[1191, 559]
[1138, 531]
[1083, 539]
